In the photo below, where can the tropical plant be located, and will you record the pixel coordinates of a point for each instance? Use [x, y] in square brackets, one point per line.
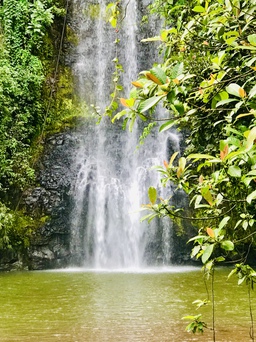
[206, 82]
[24, 27]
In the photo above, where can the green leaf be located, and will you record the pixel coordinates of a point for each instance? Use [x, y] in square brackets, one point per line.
[199, 238]
[227, 245]
[207, 253]
[181, 167]
[191, 112]
[235, 89]
[234, 171]
[119, 115]
[177, 70]
[251, 197]
[167, 125]
[224, 221]
[207, 195]
[245, 47]
[220, 259]
[232, 273]
[149, 103]
[251, 173]
[199, 9]
[252, 39]
[172, 158]
[200, 156]
[131, 123]
[241, 280]
[252, 92]
[250, 139]
[195, 251]
[151, 39]
[223, 102]
[159, 74]
[231, 40]
[152, 194]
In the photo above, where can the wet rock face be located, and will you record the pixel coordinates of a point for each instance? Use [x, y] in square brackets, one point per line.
[51, 202]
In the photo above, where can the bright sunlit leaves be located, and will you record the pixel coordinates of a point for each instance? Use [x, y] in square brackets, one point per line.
[205, 192]
[152, 194]
[127, 102]
[235, 89]
[181, 167]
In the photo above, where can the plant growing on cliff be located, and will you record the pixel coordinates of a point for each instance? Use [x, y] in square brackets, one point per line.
[24, 27]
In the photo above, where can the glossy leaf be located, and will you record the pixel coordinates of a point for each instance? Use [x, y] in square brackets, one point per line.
[252, 39]
[177, 70]
[235, 89]
[207, 253]
[251, 197]
[157, 75]
[127, 102]
[224, 221]
[234, 171]
[251, 138]
[152, 194]
[149, 103]
[200, 156]
[227, 245]
[252, 92]
[153, 78]
[167, 125]
[199, 9]
[207, 195]
[181, 167]
[224, 102]
[173, 158]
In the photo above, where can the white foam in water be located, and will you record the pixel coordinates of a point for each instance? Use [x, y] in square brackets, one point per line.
[144, 270]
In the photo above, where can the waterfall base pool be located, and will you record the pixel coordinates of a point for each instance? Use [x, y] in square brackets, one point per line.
[87, 306]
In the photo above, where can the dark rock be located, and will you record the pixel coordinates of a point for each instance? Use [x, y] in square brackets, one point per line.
[51, 202]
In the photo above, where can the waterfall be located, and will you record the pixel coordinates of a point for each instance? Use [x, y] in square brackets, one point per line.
[112, 174]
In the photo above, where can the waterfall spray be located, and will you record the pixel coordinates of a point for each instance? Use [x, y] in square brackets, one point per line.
[113, 175]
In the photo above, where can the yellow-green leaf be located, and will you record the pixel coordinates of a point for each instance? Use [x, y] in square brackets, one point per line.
[207, 195]
[152, 194]
[181, 167]
[172, 158]
[251, 137]
[200, 156]
[199, 9]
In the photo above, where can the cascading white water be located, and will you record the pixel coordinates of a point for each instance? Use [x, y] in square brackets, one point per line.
[113, 176]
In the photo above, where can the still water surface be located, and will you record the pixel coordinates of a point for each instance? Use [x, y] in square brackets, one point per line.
[88, 306]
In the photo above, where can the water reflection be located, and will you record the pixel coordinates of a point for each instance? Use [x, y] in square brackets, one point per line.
[78, 306]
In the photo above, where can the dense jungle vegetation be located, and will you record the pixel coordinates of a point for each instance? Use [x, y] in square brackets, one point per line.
[206, 82]
[35, 98]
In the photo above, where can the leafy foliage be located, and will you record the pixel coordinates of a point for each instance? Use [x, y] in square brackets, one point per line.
[24, 49]
[206, 82]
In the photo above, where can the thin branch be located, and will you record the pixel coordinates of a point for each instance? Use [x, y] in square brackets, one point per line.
[197, 218]
[245, 238]
[213, 306]
[251, 313]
